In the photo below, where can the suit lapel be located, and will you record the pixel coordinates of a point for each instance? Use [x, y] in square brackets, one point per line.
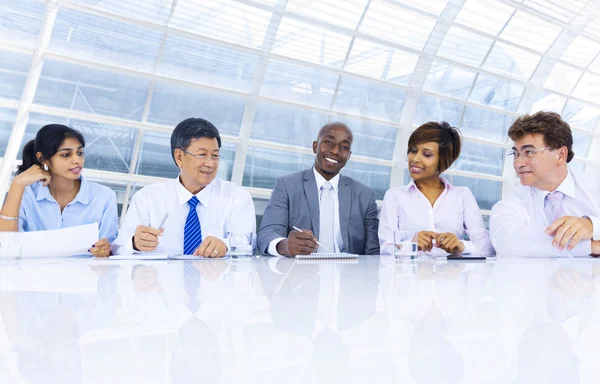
[345, 198]
[310, 190]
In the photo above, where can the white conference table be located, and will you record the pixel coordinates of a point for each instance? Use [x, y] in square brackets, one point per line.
[275, 320]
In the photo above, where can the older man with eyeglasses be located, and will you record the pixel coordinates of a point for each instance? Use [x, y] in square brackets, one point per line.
[201, 210]
[554, 211]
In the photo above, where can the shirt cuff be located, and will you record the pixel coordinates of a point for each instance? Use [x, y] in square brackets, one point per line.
[596, 224]
[470, 247]
[273, 246]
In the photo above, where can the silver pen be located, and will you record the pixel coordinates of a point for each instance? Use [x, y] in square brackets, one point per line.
[299, 230]
[162, 223]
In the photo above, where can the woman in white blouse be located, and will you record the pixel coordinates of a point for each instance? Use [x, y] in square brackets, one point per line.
[439, 213]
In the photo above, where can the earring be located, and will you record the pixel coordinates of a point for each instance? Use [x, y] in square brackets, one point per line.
[46, 167]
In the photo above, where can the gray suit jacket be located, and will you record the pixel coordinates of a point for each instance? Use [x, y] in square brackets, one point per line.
[295, 202]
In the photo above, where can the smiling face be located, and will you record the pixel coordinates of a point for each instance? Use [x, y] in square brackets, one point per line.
[546, 169]
[198, 173]
[423, 160]
[68, 160]
[332, 149]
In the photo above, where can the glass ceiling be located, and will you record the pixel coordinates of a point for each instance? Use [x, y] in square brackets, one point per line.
[269, 73]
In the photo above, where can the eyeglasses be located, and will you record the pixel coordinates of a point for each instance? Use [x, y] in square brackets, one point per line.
[204, 158]
[528, 153]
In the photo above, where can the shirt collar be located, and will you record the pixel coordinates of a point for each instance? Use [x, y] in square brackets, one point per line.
[413, 186]
[567, 187]
[184, 195]
[335, 181]
[83, 196]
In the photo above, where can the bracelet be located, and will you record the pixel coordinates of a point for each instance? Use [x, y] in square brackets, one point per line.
[9, 218]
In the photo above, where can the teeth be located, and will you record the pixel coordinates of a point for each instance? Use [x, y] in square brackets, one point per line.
[331, 160]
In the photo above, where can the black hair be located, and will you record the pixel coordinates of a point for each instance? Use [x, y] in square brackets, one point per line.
[47, 141]
[189, 129]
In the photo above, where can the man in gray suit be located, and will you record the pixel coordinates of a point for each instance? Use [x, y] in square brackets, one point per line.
[337, 210]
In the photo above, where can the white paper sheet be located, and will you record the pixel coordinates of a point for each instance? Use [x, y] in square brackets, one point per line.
[56, 243]
[140, 256]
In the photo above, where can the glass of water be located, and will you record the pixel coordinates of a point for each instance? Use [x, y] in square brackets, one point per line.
[10, 247]
[241, 244]
[405, 244]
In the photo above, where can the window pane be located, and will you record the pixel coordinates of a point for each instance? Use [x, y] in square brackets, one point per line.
[381, 62]
[496, 92]
[485, 124]
[581, 51]
[107, 147]
[432, 6]
[14, 68]
[344, 13]
[393, 23]
[210, 64]
[588, 87]
[264, 166]
[225, 20]
[152, 11]
[156, 159]
[562, 78]
[310, 43]
[83, 89]
[368, 99]
[371, 139]
[172, 104]
[376, 177]
[511, 61]
[485, 15]
[540, 34]
[464, 46]
[286, 125]
[487, 192]
[21, 22]
[298, 84]
[99, 39]
[7, 119]
[581, 115]
[433, 109]
[449, 81]
[547, 101]
[581, 143]
[480, 158]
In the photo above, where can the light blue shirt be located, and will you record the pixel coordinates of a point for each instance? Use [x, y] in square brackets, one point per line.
[95, 203]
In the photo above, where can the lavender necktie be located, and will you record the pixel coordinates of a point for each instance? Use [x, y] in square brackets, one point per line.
[553, 205]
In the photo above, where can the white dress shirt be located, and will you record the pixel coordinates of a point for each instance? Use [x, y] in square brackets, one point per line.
[338, 240]
[224, 208]
[455, 210]
[518, 221]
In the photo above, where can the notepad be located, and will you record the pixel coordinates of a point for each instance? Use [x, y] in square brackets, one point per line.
[327, 256]
[326, 261]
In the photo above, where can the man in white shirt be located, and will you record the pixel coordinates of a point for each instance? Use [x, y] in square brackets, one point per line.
[202, 209]
[554, 212]
[338, 211]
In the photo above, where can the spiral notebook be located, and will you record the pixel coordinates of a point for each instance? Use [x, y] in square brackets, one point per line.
[327, 256]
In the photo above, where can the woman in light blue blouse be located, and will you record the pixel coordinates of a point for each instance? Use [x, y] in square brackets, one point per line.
[50, 193]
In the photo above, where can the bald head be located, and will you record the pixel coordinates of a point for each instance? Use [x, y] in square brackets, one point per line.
[334, 124]
[333, 148]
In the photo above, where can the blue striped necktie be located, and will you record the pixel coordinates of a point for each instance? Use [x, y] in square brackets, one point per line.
[192, 233]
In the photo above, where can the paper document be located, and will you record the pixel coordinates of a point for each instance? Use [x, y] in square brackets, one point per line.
[140, 256]
[57, 242]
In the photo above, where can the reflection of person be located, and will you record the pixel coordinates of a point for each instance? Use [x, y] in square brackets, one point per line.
[50, 193]
[432, 358]
[554, 212]
[203, 209]
[197, 357]
[546, 356]
[431, 207]
[336, 209]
